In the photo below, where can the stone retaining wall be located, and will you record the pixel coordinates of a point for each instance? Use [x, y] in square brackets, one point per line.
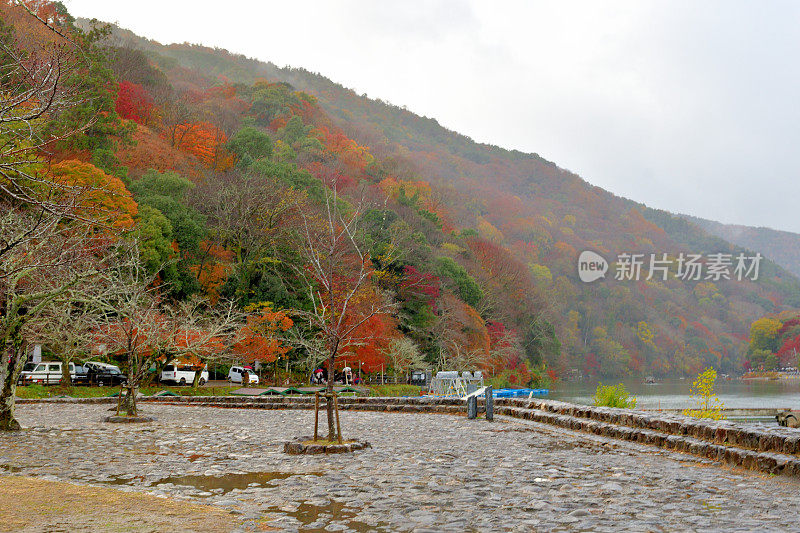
[771, 462]
[758, 438]
[772, 450]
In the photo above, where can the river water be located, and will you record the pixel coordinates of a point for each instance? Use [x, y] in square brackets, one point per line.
[674, 393]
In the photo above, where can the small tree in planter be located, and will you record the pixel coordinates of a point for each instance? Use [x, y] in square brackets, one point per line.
[337, 275]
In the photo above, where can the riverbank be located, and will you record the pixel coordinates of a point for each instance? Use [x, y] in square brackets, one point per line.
[674, 393]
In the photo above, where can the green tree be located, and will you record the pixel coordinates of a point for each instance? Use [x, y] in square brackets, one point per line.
[168, 193]
[764, 334]
[468, 288]
[252, 143]
[271, 102]
[155, 244]
[294, 131]
[95, 115]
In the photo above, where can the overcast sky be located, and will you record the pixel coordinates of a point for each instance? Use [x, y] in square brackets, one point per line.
[687, 106]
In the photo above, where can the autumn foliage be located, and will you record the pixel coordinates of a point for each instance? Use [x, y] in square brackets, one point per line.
[261, 339]
[206, 142]
[102, 197]
[135, 103]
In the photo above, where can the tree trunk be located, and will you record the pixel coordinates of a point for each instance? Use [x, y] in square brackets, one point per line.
[7, 420]
[9, 371]
[129, 400]
[66, 378]
[329, 399]
[196, 379]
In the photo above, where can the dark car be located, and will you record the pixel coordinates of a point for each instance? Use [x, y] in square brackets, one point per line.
[107, 376]
[81, 376]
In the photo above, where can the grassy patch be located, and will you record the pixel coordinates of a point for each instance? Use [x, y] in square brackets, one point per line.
[613, 396]
[394, 390]
[52, 391]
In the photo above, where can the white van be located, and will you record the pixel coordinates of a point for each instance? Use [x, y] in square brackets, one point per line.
[236, 372]
[46, 373]
[182, 374]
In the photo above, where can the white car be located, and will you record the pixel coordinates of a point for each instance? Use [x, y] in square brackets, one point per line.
[182, 374]
[236, 372]
[47, 373]
[97, 366]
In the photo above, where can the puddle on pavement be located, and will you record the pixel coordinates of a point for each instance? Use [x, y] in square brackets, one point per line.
[334, 512]
[215, 485]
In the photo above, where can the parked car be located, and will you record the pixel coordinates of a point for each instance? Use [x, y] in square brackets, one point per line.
[104, 374]
[236, 372]
[182, 374]
[81, 375]
[46, 373]
[97, 365]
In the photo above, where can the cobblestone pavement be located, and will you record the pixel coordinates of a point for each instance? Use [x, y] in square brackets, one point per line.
[425, 472]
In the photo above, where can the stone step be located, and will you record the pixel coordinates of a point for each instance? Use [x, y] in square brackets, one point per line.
[777, 439]
[769, 462]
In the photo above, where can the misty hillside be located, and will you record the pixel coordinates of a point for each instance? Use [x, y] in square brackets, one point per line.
[783, 247]
[513, 222]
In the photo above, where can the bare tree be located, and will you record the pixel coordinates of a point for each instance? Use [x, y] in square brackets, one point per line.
[68, 326]
[142, 328]
[404, 355]
[49, 243]
[135, 325]
[337, 276]
[255, 216]
[33, 275]
[206, 333]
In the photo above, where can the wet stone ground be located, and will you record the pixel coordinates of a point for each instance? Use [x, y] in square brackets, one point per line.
[424, 472]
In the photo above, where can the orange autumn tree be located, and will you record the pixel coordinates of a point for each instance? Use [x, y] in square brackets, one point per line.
[370, 340]
[212, 268]
[101, 197]
[206, 142]
[261, 339]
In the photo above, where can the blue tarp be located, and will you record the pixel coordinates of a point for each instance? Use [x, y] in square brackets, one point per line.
[520, 393]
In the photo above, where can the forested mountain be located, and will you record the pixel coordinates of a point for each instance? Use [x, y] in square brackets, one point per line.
[783, 247]
[477, 245]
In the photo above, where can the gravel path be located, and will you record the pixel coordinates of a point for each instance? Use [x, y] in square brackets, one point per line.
[424, 472]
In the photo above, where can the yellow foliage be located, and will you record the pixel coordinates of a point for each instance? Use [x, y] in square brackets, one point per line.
[488, 231]
[644, 333]
[453, 248]
[709, 406]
